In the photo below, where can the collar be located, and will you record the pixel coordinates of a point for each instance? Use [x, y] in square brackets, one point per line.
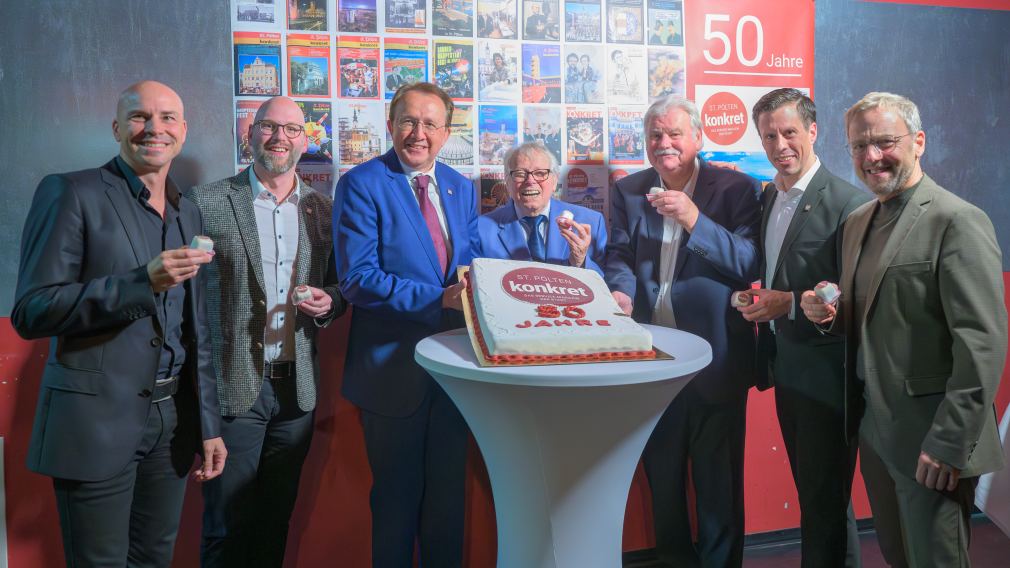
[139, 190]
[412, 173]
[258, 189]
[546, 211]
[802, 183]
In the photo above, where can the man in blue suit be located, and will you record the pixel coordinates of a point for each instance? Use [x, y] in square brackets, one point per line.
[530, 226]
[401, 225]
[683, 238]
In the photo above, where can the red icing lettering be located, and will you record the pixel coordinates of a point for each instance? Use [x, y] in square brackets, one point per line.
[583, 322]
[563, 322]
[524, 324]
[543, 323]
[604, 323]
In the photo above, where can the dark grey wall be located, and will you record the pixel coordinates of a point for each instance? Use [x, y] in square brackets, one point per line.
[954, 63]
[62, 65]
[63, 62]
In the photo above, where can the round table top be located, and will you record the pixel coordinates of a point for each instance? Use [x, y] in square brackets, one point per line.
[450, 353]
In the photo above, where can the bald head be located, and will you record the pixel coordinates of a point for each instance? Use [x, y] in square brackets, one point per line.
[149, 126]
[275, 150]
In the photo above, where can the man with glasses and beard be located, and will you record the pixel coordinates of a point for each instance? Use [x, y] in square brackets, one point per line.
[925, 326]
[271, 236]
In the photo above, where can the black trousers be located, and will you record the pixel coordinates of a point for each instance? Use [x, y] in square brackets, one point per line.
[248, 507]
[131, 519]
[418, 484]
[710, 437]
[822, 463]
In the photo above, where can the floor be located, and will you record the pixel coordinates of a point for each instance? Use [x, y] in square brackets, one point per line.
[990, 548]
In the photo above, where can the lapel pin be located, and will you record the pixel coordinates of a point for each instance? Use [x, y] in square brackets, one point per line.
[449, 190]
[806, 207]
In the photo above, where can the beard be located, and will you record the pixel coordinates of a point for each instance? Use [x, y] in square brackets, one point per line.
[902, 173]
[272, 165]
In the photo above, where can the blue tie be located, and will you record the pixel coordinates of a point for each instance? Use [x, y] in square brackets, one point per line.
[534, 240]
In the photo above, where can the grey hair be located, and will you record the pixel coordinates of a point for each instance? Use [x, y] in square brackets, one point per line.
[905, 108]
[667, 103]
[530, 149]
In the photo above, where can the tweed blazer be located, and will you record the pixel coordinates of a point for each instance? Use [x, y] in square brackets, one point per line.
[236, 297]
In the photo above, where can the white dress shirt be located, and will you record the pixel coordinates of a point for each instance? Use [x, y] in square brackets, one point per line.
[673, 232]
[433, 197]
[277, 226]
[781, 215]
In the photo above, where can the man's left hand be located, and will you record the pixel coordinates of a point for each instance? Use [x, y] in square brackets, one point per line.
[318, 305]
[771, 304]
[214, 455]
[579, 237]
[934, 474]
[677, 205]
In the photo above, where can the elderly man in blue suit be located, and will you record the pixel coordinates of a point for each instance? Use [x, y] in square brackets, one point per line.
[683, 238]
[401, 225]
[530, 226]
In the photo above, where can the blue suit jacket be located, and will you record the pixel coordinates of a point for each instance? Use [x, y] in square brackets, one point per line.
[718, 257]
[501, 235]
[388, 270]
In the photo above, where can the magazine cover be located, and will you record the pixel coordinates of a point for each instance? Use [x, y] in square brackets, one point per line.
[498, 71]
[309, 15]
[359, 130]
[625, 21]
[452, 18]
[585, 135]
[245, 113]
[543, 124]
[404, 60]
[309, 65]
[541, 73]
[583, 21]
[458, 149]
[358, 67]
[588, 187]
[626, 81]
[493, 191]
[406, 16]
[357, 16]
[317, 176]
[542, 20]
[453, 68]
[257, 63]
[318, 132]
[497, 127]
[666, 72]
[584, 74]
[625, 134]
[255, 14]
[666, 21]
[496, 19]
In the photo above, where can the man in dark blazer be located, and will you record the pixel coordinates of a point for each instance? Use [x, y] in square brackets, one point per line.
[803, 209]
[683, 238]
[271, 234]
[128, 390]
[925, 329]
[531, 172]
[402, 223]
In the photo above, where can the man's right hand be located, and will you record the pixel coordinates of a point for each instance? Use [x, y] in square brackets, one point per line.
[173, 267]
[815, 309]
[623, 302]
[452, 297]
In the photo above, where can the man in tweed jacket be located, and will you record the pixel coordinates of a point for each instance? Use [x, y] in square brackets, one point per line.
[271, 234]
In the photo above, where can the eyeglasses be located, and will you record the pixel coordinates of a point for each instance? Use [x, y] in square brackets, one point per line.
[884, 144]
[269, 127]
[409, 124]
[537, 175]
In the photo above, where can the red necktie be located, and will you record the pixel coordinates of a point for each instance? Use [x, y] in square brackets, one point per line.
[431, 220]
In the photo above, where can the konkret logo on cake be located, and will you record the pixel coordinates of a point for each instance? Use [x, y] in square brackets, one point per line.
[541, 286]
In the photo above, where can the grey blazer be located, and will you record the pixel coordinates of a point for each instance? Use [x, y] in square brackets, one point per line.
[236, 299]
[934, 333]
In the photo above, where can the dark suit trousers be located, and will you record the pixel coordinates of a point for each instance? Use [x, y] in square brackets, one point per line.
[418, 474]
[822, 465]
[248, 507]
[710, 437]
[132, 518]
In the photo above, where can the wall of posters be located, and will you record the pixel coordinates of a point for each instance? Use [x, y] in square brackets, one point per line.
[576, 75]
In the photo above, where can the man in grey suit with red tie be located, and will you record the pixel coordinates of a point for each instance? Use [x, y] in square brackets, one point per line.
[804, 208]
[402, 223]
[925, 328]
[128, 391]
